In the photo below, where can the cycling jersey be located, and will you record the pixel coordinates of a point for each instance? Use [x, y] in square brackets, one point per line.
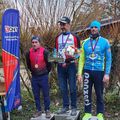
[98, 59]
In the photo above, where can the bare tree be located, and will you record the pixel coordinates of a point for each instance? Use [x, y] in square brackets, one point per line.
[113, 8]
[39, 17]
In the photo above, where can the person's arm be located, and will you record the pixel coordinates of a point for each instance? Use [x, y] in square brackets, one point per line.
[56, 42]
[48, 64]
[28, 60]
[108, 61]
[77, 41]
[81, 61]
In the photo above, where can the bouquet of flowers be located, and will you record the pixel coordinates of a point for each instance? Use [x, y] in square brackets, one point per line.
[71, 51]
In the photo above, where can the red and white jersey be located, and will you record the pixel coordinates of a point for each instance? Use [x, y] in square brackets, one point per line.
[63, 41]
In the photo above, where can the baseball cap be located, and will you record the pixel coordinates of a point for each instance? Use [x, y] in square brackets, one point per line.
[64, 19]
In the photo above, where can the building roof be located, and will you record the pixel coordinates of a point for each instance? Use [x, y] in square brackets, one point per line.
[104, 22]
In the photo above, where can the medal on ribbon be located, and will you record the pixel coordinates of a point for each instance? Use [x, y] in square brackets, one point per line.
[36, 60]
[63, 49]
[93, 55]
[36, 65]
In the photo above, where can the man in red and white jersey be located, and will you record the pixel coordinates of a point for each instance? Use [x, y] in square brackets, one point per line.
[66, 44]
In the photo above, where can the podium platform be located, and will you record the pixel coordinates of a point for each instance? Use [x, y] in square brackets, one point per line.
[42, 117]
[67, 116]
[94, 118]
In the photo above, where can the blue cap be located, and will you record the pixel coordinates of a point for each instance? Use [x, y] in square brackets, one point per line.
[35, 38]
[95, 23]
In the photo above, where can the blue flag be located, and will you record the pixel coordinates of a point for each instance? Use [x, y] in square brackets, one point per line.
[11, 57]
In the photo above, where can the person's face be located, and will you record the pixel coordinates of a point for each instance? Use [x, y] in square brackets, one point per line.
[35, 44]
[65, 27]
[94, 30]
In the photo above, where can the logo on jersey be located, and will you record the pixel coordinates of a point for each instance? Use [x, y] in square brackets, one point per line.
[93, 56]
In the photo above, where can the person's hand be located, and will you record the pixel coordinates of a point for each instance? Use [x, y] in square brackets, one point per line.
[64, 65]
[79, 78]
[106, 80]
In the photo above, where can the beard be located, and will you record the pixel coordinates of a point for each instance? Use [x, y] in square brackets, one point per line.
[94, 36]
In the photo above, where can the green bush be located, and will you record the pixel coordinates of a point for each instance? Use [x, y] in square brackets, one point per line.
[112, 97]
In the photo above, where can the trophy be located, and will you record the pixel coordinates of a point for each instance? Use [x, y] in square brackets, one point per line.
[70, 51]
[55, 57]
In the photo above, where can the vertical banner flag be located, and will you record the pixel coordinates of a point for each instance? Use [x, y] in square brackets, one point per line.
[10, 57]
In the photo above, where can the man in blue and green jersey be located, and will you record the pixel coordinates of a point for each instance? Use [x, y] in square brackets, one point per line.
[95, 64]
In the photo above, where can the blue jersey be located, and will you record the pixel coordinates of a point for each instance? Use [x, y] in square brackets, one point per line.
[95, 55]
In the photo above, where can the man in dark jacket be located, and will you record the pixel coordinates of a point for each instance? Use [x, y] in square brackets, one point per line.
[37, 62]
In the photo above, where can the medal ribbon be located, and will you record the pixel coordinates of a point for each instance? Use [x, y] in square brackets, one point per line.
[93, 46]
[65, 41]
[36, 58]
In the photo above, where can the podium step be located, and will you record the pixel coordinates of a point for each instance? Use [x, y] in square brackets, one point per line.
[94, 118]
[67, 116]
[42, 117]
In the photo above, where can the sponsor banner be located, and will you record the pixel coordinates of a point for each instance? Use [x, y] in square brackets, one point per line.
[11, 57]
